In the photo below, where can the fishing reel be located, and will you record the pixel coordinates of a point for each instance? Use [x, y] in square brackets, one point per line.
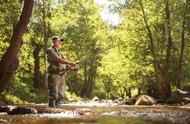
[75, 68]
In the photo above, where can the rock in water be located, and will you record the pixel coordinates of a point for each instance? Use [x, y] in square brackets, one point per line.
[95, 98]
[84, 111]
[7, 108]
[179, 96]
[22, 110]
[145, 100]
[130, 101]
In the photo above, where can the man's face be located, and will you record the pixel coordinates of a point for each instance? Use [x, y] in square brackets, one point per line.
[57, 43]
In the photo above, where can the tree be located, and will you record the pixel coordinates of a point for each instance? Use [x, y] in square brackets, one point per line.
[182, 48]
[39, 34]
[7, 63]
[162, 77]
[80, 25]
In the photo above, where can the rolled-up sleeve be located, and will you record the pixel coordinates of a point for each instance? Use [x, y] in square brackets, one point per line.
[52, 55]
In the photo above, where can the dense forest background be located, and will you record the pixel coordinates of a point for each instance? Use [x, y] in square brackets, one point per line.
[146, 52]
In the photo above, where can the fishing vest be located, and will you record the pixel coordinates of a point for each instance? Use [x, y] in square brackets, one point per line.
[55, 67]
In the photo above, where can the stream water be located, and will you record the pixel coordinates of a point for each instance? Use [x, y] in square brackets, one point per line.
[62, 118]
[102, 115]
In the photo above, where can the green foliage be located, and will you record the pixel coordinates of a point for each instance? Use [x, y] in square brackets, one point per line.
[9, 13]
[19, 92]
[72, 97]
[79, 24]
[112, 59]
[12, 99]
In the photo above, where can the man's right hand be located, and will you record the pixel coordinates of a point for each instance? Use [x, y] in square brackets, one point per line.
[72, 64]
[73, 68]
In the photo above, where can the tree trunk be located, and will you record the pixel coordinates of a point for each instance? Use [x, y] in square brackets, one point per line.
[88, 82]
[46, 31]
[86, 88]
[107, 87]
[139, 91]
[156, 65]
[91, 82]
[179, 67]
[150, 90]
[37, 76]
[129, 93]
[166, 83]
[85, 81]
[9, 57]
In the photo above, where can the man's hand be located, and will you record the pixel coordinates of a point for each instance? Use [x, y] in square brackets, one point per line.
[73, 68]
[72, 64]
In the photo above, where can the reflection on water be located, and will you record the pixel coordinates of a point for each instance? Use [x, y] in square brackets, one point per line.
[63, 118]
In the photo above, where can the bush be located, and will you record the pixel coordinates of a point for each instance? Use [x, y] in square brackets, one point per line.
[72, 97]
[18, 93]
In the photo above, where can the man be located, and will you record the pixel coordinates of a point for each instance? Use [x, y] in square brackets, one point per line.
[58, 65]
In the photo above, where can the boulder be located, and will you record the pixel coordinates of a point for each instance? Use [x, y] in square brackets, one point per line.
[179, 96]
[145, 100]
[130, 101]
[95, 98]
[22, 110]
[84, 111]
[7, 108]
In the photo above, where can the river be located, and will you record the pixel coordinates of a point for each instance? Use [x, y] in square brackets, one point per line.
[104, 114]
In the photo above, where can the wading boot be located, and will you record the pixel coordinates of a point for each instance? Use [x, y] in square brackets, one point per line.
[52, 103]
[58, 104]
